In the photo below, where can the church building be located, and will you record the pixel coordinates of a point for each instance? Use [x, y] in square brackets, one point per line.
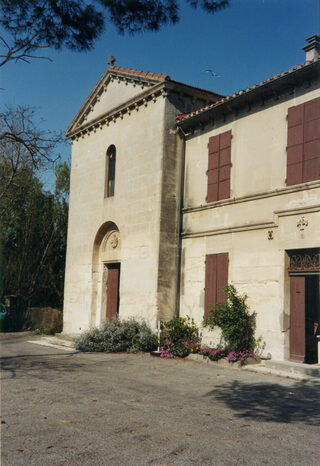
[176, 191]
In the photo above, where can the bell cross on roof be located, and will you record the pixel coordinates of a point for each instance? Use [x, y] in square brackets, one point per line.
[111, 60]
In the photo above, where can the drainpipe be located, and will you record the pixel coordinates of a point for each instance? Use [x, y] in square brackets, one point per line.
[179, 220]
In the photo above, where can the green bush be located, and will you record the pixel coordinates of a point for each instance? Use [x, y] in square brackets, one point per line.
[179, 337]
[236, 323]
[117, 336]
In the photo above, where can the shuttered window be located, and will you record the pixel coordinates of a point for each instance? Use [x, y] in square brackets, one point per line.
[219, 165]
[303, 148]
[216, 278]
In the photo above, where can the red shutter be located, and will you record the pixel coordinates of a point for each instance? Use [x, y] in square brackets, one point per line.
[216, 278]
[213, 169]
[210, 297]
[311, 140]
[295, 145]
[303, 147]
[222, 275]
[219, 165]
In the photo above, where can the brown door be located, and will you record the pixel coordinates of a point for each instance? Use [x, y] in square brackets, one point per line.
[113, 291]
[312, 317]
[297, 319]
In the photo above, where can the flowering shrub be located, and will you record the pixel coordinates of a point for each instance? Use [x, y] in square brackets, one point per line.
[179, 338]
[173, 350]
[214, 354]
[193, 346]
[234, 356]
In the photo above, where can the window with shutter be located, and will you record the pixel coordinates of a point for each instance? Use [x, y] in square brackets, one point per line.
[215, 280]
[303, 148]
[219, 165]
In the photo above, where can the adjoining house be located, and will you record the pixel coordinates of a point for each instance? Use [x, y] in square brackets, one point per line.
[177, 191]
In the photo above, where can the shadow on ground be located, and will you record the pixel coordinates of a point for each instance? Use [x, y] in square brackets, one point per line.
[40, 366]
[271, 402]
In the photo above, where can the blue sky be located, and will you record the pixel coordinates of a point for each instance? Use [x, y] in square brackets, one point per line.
[245, 43]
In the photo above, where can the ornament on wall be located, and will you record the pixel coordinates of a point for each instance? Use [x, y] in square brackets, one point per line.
[270, 235]
[114, 240]
[110, 241]
[302, 223]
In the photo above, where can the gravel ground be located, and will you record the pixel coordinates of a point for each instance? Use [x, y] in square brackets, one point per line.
[69, 408]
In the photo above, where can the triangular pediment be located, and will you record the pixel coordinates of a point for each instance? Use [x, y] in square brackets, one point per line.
[116, 87]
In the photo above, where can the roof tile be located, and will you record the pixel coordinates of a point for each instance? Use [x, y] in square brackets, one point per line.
[146, 74]
[244, 91]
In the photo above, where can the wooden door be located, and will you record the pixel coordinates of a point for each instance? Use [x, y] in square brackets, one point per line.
[113, 291]
[312, 317]
[297, 319]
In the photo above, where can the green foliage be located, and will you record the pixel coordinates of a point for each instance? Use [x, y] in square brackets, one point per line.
[76, 24]
[33, 222]
[34, 232]
[180, 329]
[117, 336]
[147, 15]
[62, 172]
[179, 337]
[236, 323]
[61, 23]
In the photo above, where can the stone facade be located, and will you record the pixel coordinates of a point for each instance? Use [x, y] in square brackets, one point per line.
[136, 112]
[159, 225]
[258, 224]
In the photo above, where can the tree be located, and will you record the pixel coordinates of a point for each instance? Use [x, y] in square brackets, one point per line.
[32, 222]
[33, 25]
[34, 227]
[23, 145]
[145, 15]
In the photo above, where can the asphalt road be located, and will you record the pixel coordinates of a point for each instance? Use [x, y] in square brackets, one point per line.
[67, 408]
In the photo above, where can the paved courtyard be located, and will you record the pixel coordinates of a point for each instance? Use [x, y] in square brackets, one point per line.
[68, 408]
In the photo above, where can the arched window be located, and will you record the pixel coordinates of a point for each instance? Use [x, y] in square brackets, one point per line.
[110, 171]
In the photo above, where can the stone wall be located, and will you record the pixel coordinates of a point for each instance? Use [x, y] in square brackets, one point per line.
[257, 225]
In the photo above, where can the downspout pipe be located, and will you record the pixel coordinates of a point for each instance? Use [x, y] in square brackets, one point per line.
[179, 217]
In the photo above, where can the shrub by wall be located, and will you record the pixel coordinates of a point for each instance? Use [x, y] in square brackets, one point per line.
[179, 338]
[234, 318]
[117, 336]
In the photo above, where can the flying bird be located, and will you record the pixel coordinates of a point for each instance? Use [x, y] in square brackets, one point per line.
[213, 74]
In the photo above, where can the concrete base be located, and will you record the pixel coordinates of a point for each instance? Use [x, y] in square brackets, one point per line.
[56, 341]
[296, 368]
[291, 370]
[222, 362]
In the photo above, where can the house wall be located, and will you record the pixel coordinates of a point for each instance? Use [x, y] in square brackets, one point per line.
[115, 93]
[259, 203]
[135, 209]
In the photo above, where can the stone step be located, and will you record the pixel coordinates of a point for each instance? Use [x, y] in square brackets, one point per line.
[295, 368]
[55, 340]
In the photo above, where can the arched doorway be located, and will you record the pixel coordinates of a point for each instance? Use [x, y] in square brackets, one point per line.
[106, 273]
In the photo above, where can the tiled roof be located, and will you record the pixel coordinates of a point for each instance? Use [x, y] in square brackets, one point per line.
[228, 98]
[206, 91]
[145, 74]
